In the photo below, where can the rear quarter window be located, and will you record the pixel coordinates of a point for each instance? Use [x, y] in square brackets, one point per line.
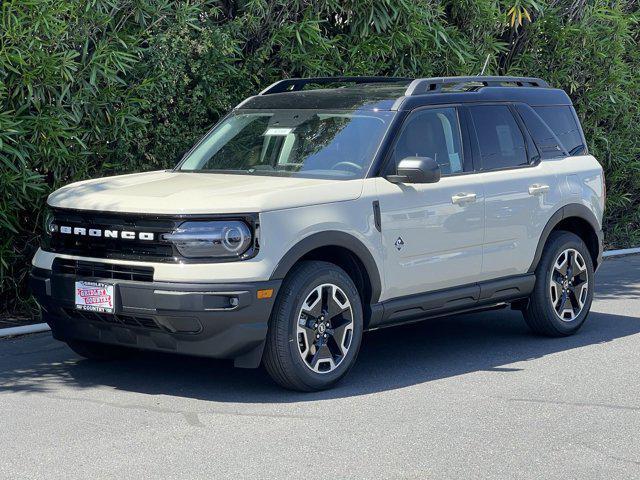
[548, 144]
[562, 121]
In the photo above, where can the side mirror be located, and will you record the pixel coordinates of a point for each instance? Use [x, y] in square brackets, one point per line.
[416, 170]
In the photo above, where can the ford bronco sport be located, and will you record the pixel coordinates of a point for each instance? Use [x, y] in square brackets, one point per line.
[324, 207]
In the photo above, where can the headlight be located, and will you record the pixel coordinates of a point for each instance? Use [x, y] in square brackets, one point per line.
[224, 238]
[49, 226]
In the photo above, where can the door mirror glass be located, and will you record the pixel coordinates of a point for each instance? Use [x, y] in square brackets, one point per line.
[416, 170]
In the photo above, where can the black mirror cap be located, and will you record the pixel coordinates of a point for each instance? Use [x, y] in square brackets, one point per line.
[416, 170]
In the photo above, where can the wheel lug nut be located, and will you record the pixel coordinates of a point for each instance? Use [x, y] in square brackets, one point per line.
[325, 335]
[317, 335]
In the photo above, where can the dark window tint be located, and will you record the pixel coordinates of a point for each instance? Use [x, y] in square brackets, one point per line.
[546, 142]
[563, 123]
[433, 133]
[500, 139]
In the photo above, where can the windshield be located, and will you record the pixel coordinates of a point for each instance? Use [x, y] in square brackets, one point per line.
[298, 143]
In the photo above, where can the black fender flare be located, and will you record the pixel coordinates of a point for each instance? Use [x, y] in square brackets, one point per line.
[327, 239]
[571, 210]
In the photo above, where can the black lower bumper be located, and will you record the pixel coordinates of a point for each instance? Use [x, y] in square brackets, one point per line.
[213, 320]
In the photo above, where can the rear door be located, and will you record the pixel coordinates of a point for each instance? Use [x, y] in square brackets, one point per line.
[521, 191]
[432, 233]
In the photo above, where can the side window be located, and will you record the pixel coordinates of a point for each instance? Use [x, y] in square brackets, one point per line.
[562, 121]
[548, 144]
[432, 133]
[501, 142]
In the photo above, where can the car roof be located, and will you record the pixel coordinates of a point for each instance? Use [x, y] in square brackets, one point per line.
[383, 93]
[358, 97]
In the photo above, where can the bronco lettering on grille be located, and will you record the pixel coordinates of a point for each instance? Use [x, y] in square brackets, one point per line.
[96, 232]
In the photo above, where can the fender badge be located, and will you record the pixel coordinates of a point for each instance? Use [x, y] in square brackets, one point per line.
[399, 243]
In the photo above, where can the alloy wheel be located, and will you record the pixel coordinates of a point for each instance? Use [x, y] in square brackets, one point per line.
[325, 328]
[568, 284]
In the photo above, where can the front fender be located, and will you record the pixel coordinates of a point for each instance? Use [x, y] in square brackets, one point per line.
[327, 239]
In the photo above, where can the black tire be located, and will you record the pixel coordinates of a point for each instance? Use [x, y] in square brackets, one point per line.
[540, 314]
[282, 357]
[99, 351]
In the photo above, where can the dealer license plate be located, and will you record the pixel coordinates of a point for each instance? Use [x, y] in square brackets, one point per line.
[94, 297]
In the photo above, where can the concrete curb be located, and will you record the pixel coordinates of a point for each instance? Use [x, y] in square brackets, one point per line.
[23, 330]
[618, 253]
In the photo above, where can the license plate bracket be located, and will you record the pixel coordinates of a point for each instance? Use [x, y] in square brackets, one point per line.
[94, 296]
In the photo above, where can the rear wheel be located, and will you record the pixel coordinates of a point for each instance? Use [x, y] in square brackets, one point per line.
[563, 293]
[98, 351]
[315, 329]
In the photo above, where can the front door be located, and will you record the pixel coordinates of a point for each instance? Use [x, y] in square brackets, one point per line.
[432, 233]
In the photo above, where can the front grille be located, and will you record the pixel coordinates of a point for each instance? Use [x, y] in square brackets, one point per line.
[101, 247]
[129, 320]
[90, 234]
[81, 268]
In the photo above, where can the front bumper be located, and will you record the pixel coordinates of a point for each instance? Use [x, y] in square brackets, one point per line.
[211, 320]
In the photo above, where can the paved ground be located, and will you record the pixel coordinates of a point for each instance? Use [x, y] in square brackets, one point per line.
[468, 397]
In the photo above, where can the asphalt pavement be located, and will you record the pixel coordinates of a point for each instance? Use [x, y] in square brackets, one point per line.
[467, 397]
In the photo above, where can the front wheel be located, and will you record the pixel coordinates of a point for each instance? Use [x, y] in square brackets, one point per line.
[315, 329]
[563, 293]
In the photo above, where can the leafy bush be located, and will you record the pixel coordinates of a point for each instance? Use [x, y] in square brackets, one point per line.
[95, 87]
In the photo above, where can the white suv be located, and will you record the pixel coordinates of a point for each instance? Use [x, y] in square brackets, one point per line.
[309, 215]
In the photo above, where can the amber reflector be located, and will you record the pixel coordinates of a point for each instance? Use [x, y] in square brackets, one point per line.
[266, 293]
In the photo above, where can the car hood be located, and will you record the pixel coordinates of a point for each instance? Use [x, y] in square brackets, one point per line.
[168, 192]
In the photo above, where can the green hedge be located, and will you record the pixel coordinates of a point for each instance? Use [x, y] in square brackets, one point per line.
[96, 87]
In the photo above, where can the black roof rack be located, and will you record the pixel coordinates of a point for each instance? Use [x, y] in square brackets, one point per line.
[417, 86]
[296, 84]
[426, 85]
[399, 93]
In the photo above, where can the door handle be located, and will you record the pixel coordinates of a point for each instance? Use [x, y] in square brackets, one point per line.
[538, 189]
[462, 198]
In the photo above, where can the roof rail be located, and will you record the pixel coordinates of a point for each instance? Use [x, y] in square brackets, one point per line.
[296, 84]
[426, 85]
